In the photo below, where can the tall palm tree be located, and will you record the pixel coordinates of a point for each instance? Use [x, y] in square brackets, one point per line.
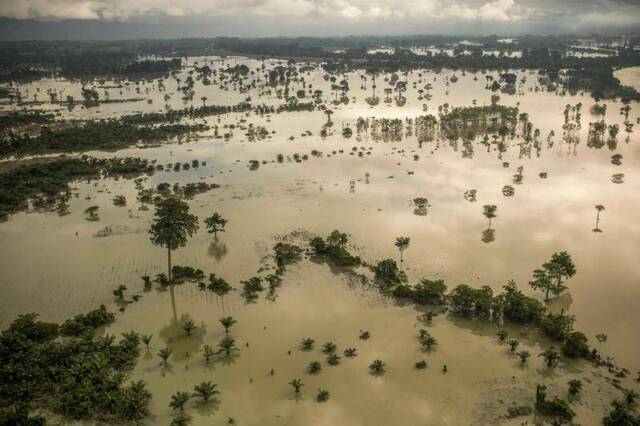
[599, 208]
[489, 211]
[402, 243]
[227, 323]
[179, 400]
[205, 390]
[165, 353]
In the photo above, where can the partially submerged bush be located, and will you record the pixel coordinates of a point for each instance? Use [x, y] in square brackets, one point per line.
[87, 323]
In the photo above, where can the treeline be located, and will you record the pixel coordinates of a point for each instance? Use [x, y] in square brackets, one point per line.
[18, 119]
[100, 134]
[48, 181]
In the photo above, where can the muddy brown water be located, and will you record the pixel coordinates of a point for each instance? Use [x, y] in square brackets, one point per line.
[57, 267]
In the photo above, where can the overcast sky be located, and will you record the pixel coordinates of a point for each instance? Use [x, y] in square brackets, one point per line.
[319, 17]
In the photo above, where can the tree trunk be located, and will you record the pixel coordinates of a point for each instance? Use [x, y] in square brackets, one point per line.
[169, 263]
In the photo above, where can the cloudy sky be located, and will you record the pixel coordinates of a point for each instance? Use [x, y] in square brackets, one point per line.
[318, 17]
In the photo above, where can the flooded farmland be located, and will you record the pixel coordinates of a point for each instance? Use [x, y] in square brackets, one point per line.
[362, 169]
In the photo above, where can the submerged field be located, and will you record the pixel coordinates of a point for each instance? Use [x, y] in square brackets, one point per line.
[289, 177]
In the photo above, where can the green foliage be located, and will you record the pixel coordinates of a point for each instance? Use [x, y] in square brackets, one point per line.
[186, 273]
[557, 408]
[425, 292]
[549, 277]
[307, 344]
[575, 386]
[227, 323]
[514, 306]
[377, 367]
[335, 249]
[421, 365]
[323, 395]
[47, 183]
[350, 352]
[524, 356]
[205, 390]
[218, 285]
[286, 254]
[329, 348]
[87, 323]
[215, 223]
[179, 400]
[80, 377]
[388, 273]
[296, 384]
[576, 345]
[620, 415]
[557, 326]
[314, 367]
[172, 224]
[468, 301]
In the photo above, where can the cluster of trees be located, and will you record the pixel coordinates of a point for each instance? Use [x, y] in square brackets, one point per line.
[82, 376]
[99, 134]
[47, 183]
[334, 247]
[18, 119]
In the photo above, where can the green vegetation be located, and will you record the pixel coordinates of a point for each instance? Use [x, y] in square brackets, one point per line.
[103, 135]
[557, 408]
[215, 223]
[425, 292]
[46, 184]
[172, 225]
[334, 248]
[377, 367]
[82, 377]
[550, 277]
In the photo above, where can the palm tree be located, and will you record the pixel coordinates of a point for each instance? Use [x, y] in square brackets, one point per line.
[333, 359]
[329, 348]
[551, 357]
[489, 211]
[227, 323]
[524, 356]
[513, 344]
[314, 367]
[502, 335]
[165, 353]
[172, 225]
[307, 344]
[323, 395]
[227, 345]
[188, 327]
[179, 400]
[146, 339]
[350, 352]
[402, 243]
[377, 367]
[204, 101]
[599, 208]
[215, 223]
[364, 335]
[205, 390]
[575, 386]
[208, 352]
[297, 385]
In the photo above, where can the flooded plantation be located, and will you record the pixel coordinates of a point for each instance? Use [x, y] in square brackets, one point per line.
[510, 182]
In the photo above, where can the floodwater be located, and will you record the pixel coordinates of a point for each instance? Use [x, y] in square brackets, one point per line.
[58, 267]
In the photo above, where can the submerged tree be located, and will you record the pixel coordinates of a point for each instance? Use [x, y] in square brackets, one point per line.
[377, 367]
[227, 323]
[296, 384]
[188, 327]
[551, 357]
[215, 223]
[227, 345]
[402, 243]
[599, 208]
[205, 391]
[172, 225]
[549, 277]
[164, 354]
[179, 400]
[489, 211]
[323, 395]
